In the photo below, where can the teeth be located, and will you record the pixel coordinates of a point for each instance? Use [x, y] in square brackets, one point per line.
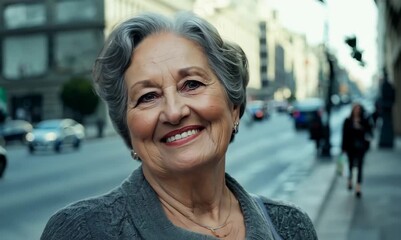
[182, 135]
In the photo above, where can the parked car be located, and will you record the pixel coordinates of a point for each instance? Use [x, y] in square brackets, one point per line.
[280, 106]
[258, 109]
[56, 134]
[3, 160]
[306, 111]
[15, 130]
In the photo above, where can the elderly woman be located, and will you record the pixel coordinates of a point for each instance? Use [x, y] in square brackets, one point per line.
[175, 92]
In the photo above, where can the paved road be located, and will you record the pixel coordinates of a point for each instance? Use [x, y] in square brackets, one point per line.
[268, 158]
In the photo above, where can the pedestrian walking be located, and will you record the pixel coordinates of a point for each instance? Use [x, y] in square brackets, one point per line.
[356, 137]
[316, 131]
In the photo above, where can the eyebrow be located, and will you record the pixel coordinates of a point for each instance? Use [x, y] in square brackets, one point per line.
[189, 71]
[184, 72]
[144, 83]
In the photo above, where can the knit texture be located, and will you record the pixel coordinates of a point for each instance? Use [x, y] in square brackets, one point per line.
[133, 211]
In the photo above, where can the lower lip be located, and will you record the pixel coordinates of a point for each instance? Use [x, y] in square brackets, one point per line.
[183, 140]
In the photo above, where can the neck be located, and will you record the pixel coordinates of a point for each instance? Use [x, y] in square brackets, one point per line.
[202, 199]
[215, 230]
[203, 218]
[203, 186]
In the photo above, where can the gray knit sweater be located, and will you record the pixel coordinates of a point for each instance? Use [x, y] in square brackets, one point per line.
[133, 211]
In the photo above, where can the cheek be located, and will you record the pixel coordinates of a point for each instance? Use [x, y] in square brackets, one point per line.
[214, 108]
[141, 126]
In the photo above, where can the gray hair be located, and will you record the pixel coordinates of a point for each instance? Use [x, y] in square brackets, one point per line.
[227, 60]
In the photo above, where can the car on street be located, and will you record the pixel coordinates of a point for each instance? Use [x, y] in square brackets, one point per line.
[280, 106]
[304, 112]
[258, 109]
[3, 160]
[15, 130]
[55, 134]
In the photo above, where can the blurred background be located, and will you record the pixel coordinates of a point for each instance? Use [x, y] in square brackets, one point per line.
[308, 60]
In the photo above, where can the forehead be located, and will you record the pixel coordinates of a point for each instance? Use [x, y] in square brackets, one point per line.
[168, 48]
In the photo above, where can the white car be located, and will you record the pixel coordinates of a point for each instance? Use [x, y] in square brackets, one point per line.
[55, 134]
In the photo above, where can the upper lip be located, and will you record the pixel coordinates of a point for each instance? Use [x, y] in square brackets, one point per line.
[181, 130]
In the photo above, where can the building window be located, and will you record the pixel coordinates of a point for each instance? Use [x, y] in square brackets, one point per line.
[76, 51]
[25, 56]
[77, 11]
[24, 15]
[265, 83]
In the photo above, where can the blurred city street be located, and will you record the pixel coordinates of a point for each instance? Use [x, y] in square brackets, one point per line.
[333, 52]
[268, 157]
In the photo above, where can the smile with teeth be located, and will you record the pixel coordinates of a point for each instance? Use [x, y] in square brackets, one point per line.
[182, 135]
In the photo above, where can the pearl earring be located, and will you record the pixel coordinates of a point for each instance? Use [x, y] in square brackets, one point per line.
[235, 129]
[134, 155]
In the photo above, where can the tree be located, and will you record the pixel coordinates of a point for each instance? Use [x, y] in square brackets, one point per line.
[78, 95]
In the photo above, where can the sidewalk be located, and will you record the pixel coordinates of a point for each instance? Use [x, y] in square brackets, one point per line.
[377, 214]
[338, 215]
[312, 193]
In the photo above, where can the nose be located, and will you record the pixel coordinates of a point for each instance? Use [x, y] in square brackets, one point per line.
[174, 108]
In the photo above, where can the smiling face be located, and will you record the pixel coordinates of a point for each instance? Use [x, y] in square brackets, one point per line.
[178, 113]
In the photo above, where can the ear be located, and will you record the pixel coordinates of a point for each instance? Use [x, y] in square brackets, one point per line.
[235, 113]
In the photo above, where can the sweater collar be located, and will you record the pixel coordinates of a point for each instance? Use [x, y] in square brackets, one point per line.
[151, 221]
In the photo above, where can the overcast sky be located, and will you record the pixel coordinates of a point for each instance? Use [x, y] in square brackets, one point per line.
[344, 18]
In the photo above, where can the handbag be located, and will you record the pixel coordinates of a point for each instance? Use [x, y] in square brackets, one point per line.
[361, 145]
[366, 144]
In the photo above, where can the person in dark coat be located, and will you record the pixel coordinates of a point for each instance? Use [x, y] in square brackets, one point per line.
[356, 136]
[316, 132]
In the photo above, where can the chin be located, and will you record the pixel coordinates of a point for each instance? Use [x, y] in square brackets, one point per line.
[189, 164]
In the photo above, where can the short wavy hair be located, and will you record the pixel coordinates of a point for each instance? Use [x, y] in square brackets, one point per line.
[227, 60]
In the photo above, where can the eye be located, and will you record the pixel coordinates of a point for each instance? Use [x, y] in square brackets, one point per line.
[192, 85]
[148, 97]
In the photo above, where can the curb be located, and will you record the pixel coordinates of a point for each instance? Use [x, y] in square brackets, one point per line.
[324, 203]
[313, 192]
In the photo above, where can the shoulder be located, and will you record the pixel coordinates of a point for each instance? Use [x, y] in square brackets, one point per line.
[88, 219]
[290, 221]
[69, 222]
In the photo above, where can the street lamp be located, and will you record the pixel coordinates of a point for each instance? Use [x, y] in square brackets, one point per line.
[326, 148]
[327, 131]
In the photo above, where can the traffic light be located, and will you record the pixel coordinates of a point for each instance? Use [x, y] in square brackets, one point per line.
[351, 41]
[355, 53]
